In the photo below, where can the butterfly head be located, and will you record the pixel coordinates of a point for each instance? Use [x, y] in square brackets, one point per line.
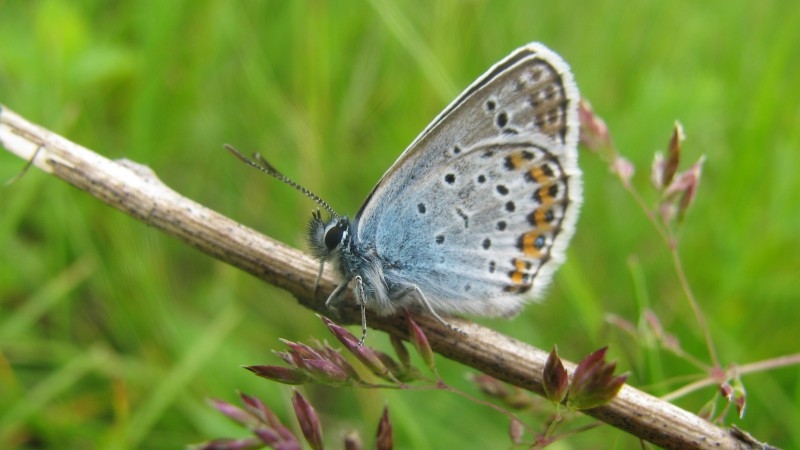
[327, 237]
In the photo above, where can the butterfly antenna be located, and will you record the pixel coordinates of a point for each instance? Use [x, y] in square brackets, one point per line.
[267, 168]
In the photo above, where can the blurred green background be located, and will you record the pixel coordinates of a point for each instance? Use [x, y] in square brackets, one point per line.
[112, 335]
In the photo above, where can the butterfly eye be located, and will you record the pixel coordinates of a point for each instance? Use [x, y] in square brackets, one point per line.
[335, 234]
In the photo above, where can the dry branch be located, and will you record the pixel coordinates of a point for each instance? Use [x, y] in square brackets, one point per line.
[136, 190]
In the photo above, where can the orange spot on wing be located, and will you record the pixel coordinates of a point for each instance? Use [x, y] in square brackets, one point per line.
[538, 218]
[517, 277]
[516, 160]
[545, 196]
[528, 244]
[538, 175]
[520, 277]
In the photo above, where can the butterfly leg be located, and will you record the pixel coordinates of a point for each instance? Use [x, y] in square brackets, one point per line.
[361, 298]
[319, 277]
[334, 298]
[414, 291]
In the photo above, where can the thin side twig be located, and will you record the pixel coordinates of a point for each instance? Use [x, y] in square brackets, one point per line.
[135, 190]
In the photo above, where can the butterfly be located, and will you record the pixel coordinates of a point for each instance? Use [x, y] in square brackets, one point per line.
[476, 214]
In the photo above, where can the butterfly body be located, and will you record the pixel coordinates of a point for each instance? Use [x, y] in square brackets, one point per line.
[475, 215]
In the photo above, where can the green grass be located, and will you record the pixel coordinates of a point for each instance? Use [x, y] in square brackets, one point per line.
[112, 334]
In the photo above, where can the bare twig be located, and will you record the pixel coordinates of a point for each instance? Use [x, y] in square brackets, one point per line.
[136, 190]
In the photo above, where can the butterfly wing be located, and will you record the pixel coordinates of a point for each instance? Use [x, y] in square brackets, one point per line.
[478, 210]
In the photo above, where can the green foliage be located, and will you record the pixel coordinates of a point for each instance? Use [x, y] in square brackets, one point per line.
[113, 335]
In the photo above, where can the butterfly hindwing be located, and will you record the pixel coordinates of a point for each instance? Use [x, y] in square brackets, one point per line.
[477, 212]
